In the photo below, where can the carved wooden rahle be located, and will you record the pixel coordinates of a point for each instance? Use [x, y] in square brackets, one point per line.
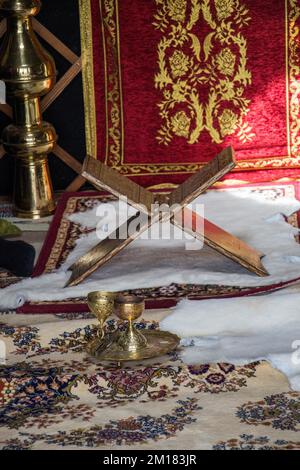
[148, 205]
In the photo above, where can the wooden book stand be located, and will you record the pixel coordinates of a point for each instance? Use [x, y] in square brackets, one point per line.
[145, 201]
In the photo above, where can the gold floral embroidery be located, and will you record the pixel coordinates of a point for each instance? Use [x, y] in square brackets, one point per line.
[226, 62]
[184, 86]
[181, 124]
[294, 71]
[177, 9]
[224, 8]
[114, 109]
[88, 78]
[179, 89]
[187, 68]
[179, 64]
[228, 122]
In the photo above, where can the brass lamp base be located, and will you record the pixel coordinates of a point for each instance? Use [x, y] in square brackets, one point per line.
[29, 146]
[33, 195]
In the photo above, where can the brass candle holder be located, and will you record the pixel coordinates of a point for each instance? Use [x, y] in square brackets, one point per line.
[130, 344]
[29, 73]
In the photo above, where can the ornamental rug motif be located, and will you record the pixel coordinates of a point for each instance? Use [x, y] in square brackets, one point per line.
[278, 411]
[163, 96]
[52, 395]
[250, 442]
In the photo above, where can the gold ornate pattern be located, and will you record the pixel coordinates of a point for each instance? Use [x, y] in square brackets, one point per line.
[115, 127]
[68, 232]
[62, 236]
[294, 71]
[182, 75]
[88, 78]
[113, 85]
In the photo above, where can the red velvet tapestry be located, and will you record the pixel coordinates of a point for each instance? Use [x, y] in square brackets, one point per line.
[169, 83]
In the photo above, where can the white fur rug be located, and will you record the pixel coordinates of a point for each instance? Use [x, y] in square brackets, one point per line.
[241, 330]
[255, 218]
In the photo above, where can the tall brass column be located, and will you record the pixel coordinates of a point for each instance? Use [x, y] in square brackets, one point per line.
[29, 73]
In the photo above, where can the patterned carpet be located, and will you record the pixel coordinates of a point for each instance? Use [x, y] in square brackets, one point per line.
[53, 396]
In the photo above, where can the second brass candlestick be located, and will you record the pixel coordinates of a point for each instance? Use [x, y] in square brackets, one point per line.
[130, 308]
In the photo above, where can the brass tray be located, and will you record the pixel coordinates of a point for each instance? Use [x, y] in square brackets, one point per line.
[159, 344]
